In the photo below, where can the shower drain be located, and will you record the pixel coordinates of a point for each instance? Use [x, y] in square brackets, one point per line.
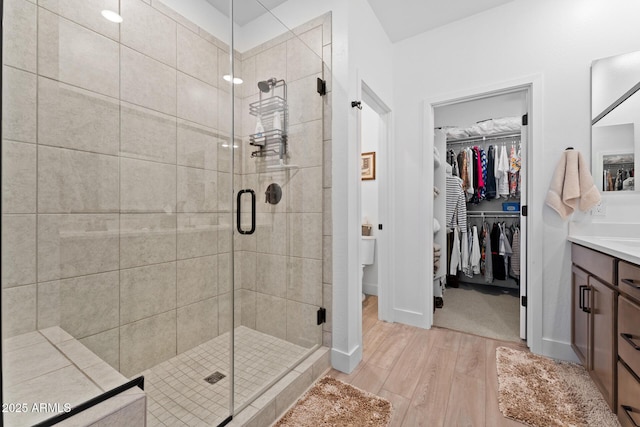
[214, 378]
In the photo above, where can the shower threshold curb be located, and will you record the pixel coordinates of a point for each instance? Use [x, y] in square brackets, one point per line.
[276, 400]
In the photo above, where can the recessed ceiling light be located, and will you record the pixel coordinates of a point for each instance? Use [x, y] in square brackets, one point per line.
[112, 16]
[236, 80]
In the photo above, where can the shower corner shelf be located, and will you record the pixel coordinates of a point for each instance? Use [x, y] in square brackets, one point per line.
[272, 142]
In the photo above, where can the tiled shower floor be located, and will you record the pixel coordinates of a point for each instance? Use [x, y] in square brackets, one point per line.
[178, 395]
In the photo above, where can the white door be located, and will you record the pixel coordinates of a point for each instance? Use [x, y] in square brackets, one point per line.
[524, 151]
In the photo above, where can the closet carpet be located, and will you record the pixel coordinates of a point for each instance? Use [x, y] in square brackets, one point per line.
[483, 310]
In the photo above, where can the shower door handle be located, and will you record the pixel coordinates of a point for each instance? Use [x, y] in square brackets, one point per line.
[239, 211]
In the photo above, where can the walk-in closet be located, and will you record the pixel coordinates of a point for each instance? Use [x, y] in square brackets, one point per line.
[479, 230]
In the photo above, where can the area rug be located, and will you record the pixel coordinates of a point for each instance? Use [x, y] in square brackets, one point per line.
[542, 392]
[331, 402]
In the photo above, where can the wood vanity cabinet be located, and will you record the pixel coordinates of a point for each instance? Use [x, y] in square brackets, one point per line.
[602, 306]
[605, 329]
[594, 317]
[628, 337]
[580, 316]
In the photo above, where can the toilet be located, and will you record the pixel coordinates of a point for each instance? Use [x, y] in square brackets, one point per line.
[367, 252]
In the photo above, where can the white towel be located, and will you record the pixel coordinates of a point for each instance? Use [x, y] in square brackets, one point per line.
[572, 185]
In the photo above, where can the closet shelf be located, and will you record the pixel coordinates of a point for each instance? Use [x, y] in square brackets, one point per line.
[493, 213]
[492, 137]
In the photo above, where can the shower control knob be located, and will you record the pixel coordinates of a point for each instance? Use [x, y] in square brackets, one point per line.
[273, 194]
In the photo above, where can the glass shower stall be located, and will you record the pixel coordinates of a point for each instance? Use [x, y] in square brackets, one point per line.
[165, 204]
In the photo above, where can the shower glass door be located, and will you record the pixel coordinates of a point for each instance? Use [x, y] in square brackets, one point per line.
[116, 209]
[279, 195]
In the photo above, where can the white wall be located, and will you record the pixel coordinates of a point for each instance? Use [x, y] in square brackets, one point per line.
[557, 39]
[370, 141]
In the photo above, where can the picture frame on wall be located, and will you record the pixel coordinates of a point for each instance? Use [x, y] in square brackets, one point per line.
[368, 166]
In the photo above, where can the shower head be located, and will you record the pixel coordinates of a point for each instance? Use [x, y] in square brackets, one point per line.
[266, 85]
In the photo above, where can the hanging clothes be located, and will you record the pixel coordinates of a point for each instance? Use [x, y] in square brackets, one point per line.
[499, 272]
[502, 175]
[515, 257]
[456, 202]
[453, 161]
[485, 172]
[466, 267]
[514, 172]
[491, 176]
[488, 262]
[478, 183]
[475, 251]
[455, 264]
[470, 168]
[483, 161]
[505, 247]
[479, 170]
[483, 255]
[464, 173]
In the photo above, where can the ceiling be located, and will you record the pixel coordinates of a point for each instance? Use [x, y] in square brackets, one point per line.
[400, 19]
[249, 11]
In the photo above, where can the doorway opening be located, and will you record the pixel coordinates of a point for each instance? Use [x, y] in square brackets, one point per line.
[480, 239]
[374, 130]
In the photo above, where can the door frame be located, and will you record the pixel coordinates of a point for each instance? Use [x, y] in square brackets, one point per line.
[533, 86]
[384, 176]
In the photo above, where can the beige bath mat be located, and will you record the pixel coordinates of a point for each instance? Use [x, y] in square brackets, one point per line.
[541, 392]
[331, 402]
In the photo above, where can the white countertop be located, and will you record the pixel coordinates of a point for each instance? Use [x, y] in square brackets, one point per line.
[618, 240]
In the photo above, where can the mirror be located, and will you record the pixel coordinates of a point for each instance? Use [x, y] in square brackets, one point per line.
[615, 122]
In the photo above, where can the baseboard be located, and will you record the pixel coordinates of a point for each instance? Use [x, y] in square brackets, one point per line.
[410, 318]
[370, 289]
[346, 362]
[558, 350]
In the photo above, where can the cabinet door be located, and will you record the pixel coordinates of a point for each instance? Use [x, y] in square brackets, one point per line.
[629, 333]
[602, 306]
[579, 318]
[628, 397]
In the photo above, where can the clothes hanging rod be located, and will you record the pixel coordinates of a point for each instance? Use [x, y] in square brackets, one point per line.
[485, 138]
[493, 213]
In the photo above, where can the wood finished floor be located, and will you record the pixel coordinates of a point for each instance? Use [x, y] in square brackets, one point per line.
[435, 377]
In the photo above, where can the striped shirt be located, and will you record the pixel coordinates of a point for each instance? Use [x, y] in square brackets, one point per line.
[456, 204]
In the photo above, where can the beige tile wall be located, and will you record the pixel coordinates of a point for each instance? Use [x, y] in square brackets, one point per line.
[115, 157]
[284, 275]
[113, 163]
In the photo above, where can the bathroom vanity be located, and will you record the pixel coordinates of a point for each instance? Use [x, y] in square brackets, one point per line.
[605, 329]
